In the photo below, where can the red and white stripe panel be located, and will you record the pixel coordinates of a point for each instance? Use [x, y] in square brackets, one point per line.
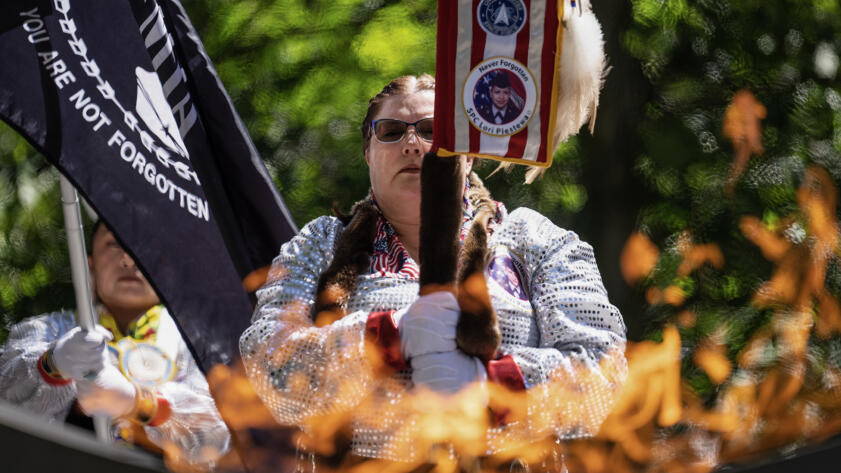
[462, 46]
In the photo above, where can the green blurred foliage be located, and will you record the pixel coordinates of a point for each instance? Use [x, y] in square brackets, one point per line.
[697, 54]
[34, 273]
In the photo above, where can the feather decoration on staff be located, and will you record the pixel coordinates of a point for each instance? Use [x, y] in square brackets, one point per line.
[582, 71]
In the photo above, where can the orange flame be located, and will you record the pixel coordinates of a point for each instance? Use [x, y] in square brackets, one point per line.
[741, 125]
[766, 398]
[651, 391]
[798, 280]
[638, 259]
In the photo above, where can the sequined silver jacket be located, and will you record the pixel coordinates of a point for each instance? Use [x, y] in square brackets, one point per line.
[194, 425]
[558, 326]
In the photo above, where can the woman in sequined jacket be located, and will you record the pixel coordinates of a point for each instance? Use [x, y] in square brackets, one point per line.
[557, 326]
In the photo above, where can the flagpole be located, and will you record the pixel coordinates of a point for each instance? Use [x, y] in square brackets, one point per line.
[81, 279]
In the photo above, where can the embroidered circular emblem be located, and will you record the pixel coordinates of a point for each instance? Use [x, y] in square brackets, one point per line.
[501, 17]
[145, 364]
[499, 96]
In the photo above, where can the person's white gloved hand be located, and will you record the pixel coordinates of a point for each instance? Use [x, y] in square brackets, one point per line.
[429, 325]
[79, 352]
[448, 372]
[109, 393]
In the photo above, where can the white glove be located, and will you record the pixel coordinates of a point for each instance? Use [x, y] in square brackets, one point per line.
[80, 352]
[109, 393]
[429, 325]
[447, 373]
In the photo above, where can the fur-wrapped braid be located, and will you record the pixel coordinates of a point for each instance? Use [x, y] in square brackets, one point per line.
[477, 332]
[474, 252]
[440, 222]
[351, 258]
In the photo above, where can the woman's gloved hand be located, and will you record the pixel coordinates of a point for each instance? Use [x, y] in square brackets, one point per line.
[109, 393]
[448, 372]
[80, 352]
[429, 325]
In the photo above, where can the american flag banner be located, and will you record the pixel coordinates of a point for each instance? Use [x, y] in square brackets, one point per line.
[496, 68]
[500, 75]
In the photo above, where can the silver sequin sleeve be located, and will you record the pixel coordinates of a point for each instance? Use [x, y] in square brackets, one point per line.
[296, 367]
[573, 339]
[195, 426]
[20, 382]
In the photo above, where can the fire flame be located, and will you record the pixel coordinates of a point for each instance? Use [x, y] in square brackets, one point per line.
[767, 396]
[741, 125]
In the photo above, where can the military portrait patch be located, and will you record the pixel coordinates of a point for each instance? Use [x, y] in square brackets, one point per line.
[499, 96]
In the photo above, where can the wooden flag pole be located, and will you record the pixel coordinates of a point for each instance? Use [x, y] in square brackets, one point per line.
[81, 280]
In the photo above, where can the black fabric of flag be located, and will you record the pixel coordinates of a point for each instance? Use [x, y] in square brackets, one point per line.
[123, 99]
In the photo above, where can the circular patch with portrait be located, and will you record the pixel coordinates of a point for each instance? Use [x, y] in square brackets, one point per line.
[499, 96]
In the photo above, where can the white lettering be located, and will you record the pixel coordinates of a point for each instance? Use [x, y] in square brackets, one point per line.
[139, 161]
[181, 193]
[63, 79]
[204, 211]
[90, 112]
[80, 98]
[128, 151]
[188, 121]
[103, 120]
[48, 56]
[34, 24]
[192, 205]
[55, 68]
[161, 183]
[31, 13]
[149, 173]
[116, 138]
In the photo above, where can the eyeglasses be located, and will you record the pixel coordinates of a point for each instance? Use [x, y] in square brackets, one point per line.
[391, 130]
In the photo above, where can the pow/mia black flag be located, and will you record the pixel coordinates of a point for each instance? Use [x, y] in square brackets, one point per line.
[123, 99]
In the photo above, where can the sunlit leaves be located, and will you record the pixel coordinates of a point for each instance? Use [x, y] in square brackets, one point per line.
[697, 55]
[391, 26]
[34, 277]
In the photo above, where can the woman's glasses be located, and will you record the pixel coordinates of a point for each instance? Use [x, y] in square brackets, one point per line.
[391, 130]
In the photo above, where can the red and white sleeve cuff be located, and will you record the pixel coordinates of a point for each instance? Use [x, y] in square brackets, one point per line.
[383, 334]
[49, 373]
[505, 372]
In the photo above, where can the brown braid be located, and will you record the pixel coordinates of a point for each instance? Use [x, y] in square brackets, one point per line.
[351, 258]
[474, 252]
[477, 332]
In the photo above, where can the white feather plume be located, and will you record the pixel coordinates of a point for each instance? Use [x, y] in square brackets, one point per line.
[582, 71]
[581, 75]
